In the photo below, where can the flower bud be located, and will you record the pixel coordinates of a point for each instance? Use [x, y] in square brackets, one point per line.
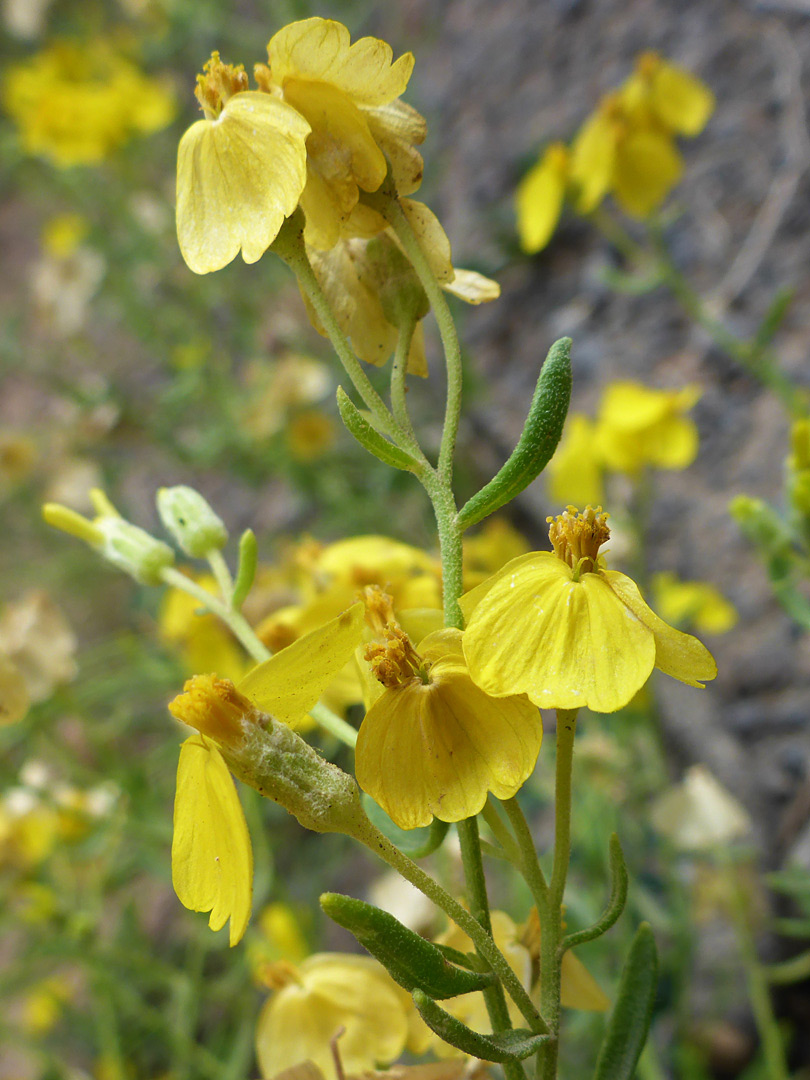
[761, 525]
[190, 520]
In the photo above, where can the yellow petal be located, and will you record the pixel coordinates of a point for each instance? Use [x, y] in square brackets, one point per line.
[539, 199]
[437, 749]
[695, 602]
[681, 100]
[212, 860]
[395, 128]
[238, 177]
[576, 469]
[679, 655]
[647, 166]
[565, 643]
[579, 988]
[472, 287]
[593, 156]
[319, 50]
[291, 682]
[334, 991]
[432, 238]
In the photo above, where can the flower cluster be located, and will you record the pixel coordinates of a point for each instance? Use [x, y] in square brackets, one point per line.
[626, 148]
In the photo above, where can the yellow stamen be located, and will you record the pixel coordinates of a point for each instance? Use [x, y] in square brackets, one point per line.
[397, 663]
[379, 608]
[217, 84]
[216, 708]
[576, 538]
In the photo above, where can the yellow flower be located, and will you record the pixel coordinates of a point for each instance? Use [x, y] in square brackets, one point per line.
[37, 639]
[325, 993]
[539, 198]
[562, 629]
[639, 426]
[63, 234]
[309, 435]
[575, 470]
[347, 94]
[273, 390]
[693, 602]
[76, 103]
[487, 550]
[666, 93]
[433, 744]
[212, 858]
[240, 171]
[520, 946]
[363, 280]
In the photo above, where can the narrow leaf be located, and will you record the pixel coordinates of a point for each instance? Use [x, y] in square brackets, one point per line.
[774, 317]
[630, 1021]
[615, 905]
[415, 843]
[411, 961]
[370, 438]
[537, 441]
[505, 1046]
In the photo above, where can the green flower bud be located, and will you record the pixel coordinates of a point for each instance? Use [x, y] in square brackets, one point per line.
[190, 520]
[133, 550]
[761, 525]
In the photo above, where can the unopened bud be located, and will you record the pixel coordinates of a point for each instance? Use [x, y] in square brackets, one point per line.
[761, 525]
[190, 520]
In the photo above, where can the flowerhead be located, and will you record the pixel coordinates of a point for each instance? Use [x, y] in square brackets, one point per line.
[76, 103]
[315, 133]
[695, 603]
[562, 629]
[315, 999]
[433, 744]
[638, 425]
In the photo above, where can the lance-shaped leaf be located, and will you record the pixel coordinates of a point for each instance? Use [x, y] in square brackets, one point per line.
[537, 441]
[615, 905]
[370, 438]
[410, 960]
[630, 1021]
[504, 1046]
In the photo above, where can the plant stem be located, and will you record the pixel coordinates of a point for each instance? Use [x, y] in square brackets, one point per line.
[450, 545]
[221, 572]
[398, 373]
[390, 207]
[511, 850]
[550, 910]
[529, 864]
[240, 627]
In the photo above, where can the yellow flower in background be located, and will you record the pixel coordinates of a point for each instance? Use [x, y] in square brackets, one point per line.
[637, 426]
[562, 629]
[37, 639]
[240, 171]
[315, 999]
[575, 472]
[280, 938]
[200, 638]
[539, 198]
[63, 234]
[276, 389]
[488, 549]
[663, 92]
[699, 814]
[433, 744]
[348, 95]
[76, 103]
[309, 435]
[365, 279]
[14, 696]
[694, 603]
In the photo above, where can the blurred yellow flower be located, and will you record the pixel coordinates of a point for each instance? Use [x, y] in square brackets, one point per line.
[103, 100]
[694, 603]
[638, 425]
[539, 198]
[39, 641]
[562, 629]
[313, 1001]
[309, 435]
[699, 814]
[662, 92]
[487, 550]
[43, 1005]
[433, 744]
[576, 468]
[63, 234]
[274, 389]
[200, 638]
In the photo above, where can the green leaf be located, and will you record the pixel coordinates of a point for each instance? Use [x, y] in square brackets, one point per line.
[505, 1046]
[370, 438]
[774, 317]
[248, 558]
[615, 905]
[415, 843]
[409, 959]
[537, 441]
[630, 1020]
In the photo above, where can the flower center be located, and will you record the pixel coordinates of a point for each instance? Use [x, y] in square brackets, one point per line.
[576, 538]
[217, 84]
[214, 707]
[396, 663]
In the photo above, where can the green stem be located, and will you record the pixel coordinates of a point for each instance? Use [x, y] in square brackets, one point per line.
[529, 864]
[389, 853]
[221, 572]
[240, 627]
[756, 974]
[289, 245]
[398, 388]
[550, 910]
[450, 545]
[511, 850]
[386, 202]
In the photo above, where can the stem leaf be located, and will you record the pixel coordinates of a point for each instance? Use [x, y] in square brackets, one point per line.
[248, 558]
[615, 904]
[630, 1021]
[370, 438]
[537, 441]
[413, 962]
[506, 1046]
